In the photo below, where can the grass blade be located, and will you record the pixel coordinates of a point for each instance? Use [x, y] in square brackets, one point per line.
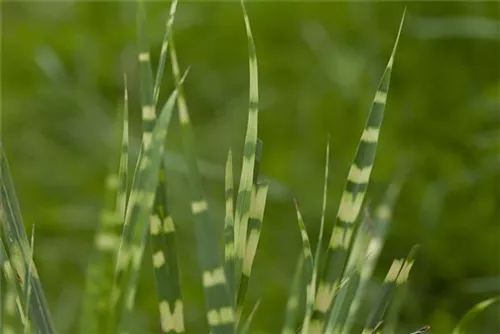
[245, 186]
[397, 274]
[165, 264]
[257, 207]
[472, 313]
[100, 271]
[19, 249]
[292, 305]
[254, 229]
[162, 229]
[383, 214]
[27, 281]
[354, 266]
[401, 282]
[385, 294]
[164, 48]
[400, 293]
[140, 206]
[121, 201]
[323, 212]
[229, 228]
[219, 306]
[246, 326]
[308, 271]
[352, 199]
[146, 77]
[11, 299]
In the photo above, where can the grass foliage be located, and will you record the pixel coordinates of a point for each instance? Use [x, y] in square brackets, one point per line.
[328, 285]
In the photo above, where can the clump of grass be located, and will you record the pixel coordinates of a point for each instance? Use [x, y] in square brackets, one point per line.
[136, 213]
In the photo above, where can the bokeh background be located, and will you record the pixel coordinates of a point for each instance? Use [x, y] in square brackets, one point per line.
[319, 65]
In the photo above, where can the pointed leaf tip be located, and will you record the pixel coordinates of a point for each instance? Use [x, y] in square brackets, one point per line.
[393, 53]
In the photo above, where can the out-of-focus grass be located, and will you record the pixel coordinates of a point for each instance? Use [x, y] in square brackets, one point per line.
[445, 115]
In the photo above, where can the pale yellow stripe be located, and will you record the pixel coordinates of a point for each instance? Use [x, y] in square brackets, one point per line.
[105, 241]
[148, 113]
[370, 135]
[251, 249]
[155, 225]
[168, 225]
[158, 259]
[147, 137]
[215, 277]
[199, 206]
[144, 56]
[380, 97]
[358, 175]
[172, 320]
[350, 207]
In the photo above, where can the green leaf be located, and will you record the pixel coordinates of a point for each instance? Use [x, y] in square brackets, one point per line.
[165, 263]
[19, 249]
[352, 200]
[383, 214]
[100, 269]
[219, 305]
[27, 281]
[472, 313]
[293, 303]
[346, 293]
[164, 49]
[308, 271]
[162, 227]
[11, 300]
[254, 229]
[396, 276]
[246, 326]
[139, 210]
[229, 254]
[243, 203]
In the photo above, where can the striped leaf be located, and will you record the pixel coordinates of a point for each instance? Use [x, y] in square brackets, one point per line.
[308, 271]
[27, 281]
[391, 318]
[346, 293]
[139, 210]
[19, 250]
[253, 235]
[219, 306]
[383, 214]
[352, 199]
[165, 264]
[162, 229]
[12, 307]
[121, 200]
[385, 295]
[293, 303]
[397, 275]
[323, 213]
[164, 49]
[400, 293]
[100, 270]
[229, 228]
[257, 206]
[244, 199]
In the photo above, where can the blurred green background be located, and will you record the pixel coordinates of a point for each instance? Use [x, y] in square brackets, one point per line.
[319, 65]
